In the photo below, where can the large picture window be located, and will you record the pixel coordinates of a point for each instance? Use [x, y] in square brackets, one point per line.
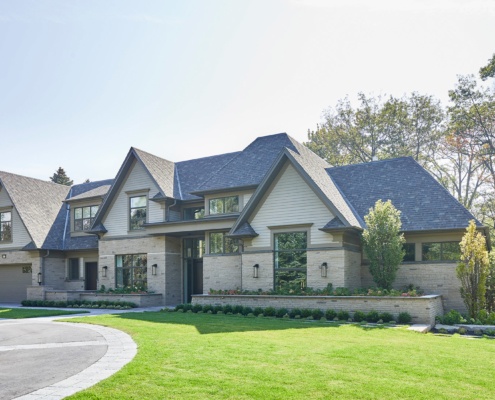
[221, 244]
[6, 226]
[224, 205]
[441, 251]
[131, 272]
[84, 217]
[410, 252]
[290, 260]
[73, 269]
[137, 206]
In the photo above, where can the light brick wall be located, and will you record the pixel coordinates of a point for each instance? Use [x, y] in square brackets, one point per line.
[433, 278]
[265, 271]
[54, 271]
[221, 272]
[173, 272]
[422, 309]
[352, 269]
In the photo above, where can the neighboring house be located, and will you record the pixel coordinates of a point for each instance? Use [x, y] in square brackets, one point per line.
[272, 214]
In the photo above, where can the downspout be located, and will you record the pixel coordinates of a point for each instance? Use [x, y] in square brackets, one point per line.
[167, 219]
[67, 215]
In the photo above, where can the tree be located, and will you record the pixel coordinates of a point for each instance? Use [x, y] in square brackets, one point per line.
[490, 284]
[407, 126]
[473, 269]
[488, 71]
[382, 242]
[61, 177]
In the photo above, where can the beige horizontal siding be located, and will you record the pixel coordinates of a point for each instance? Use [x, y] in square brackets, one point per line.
[20, 235]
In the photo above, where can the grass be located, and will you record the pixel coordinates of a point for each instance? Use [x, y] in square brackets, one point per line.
[201, 356]
[16, 313]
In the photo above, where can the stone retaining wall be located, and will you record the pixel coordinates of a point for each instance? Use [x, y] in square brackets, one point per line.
[423, 310]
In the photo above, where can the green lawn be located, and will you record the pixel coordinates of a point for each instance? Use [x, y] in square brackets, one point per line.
[201, 356]
[16, 313]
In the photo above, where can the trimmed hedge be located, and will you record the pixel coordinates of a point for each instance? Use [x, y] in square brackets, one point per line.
[104, 304]
[295, 313]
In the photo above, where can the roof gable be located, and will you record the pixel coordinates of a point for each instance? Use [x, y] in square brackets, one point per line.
[37, 202]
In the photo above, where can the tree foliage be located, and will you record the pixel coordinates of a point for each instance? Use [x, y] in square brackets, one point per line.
[383, 242]
[488, 71]
[61, 177]
[473, 269]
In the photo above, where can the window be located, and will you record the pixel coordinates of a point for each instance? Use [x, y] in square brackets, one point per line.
[410, 249]
[73, 269]
[131, 272]
[6, 226]
[84, 217]
[221, 244]
[290, 260]
[224, 205]
[191, 213]
[441, 251]
[137, 206]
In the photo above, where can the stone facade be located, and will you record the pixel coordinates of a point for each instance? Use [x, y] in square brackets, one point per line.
[264, 281]
[221, 272]
[423, 310]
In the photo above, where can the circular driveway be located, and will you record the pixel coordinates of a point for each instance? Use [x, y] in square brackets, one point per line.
[43, 359]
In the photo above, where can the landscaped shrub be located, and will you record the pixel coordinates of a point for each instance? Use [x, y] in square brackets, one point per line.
[386, 317]
[227, 309]
[372, 316]
[269, 312]
[317, 314]
[404, 318]
[257, 311]
[187, 307]
[359, 316]
[343, 315]
[247, 310]
[237, 309]
[197, 308]
[294, 312]
[451, 318]
[207, 308]
[330, 314]
[216, 309]
[281, 312]
[306, 312]
[78, 304]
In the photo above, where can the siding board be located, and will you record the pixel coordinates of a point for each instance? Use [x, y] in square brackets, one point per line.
[20, 234]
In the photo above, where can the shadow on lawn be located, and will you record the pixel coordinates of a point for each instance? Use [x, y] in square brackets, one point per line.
[207, 324]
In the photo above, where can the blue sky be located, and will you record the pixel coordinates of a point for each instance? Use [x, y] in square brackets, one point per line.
[83, 81]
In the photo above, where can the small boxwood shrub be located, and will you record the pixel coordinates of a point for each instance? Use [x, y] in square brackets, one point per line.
[216, 309]
[227, 309]
[196, 308]
[247, 310]
[386, 317]
[343, 315]
[294, 312]
[237, 309]
[306, 312]
[359, 316]
[372, 316]
[317, 314]
[269, 312]
[404, 318]
[207, 308]
[451, 318]
[257, 311]
[281, 312]
[330, 314]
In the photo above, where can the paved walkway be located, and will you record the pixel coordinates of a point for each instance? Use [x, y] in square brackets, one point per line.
[46, 360]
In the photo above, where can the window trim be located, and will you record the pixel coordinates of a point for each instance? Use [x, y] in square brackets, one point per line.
[441, 251]
[91, 219]
[275, 252]
[131, 268]
[235, 243]
[131, 196]
[223, 205]
[69, 266]
[11, 239]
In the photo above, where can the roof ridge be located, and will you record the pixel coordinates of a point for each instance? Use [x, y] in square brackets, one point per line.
[33, 179]
[374, 162]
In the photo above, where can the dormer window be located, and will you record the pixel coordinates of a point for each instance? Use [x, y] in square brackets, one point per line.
[84, 217]
[137, 207]
[6, 226]
[224, 205]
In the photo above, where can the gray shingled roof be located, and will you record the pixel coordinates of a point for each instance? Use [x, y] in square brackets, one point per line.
[37, 203]
[424, 203]
[97, 192]
[161, 170]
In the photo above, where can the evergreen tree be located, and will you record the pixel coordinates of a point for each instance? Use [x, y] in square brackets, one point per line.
[473, 269]
[61, 177]
[382, 243]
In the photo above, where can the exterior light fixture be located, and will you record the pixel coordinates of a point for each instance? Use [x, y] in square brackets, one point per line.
[4, 255]
[256, 267]
[104, 271]
[39, 278]
[324, 268]
[153, 269]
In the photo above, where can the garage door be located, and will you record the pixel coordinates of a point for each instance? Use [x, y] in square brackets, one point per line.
[14, 280]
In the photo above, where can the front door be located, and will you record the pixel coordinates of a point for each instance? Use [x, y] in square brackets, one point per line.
[193, 267]
[91, 276]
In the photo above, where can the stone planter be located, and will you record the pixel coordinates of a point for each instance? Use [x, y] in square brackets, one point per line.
[423, 310]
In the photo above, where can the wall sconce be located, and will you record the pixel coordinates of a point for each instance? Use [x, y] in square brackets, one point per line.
[104, 271]
[4, 255]
[324, 268]
[153, 269]
[256, 267]
[39, 278]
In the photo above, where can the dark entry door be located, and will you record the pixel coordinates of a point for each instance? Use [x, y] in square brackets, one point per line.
[193, 267]
[91, 274]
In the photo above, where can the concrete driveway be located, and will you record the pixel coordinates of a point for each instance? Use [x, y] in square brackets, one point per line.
[44, 359]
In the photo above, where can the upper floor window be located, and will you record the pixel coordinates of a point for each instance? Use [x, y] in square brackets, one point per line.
[84, 217]
[6, 226]
[220, 243]
[224, 205]
[137, 207]
[441, 251]
[193, 213]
